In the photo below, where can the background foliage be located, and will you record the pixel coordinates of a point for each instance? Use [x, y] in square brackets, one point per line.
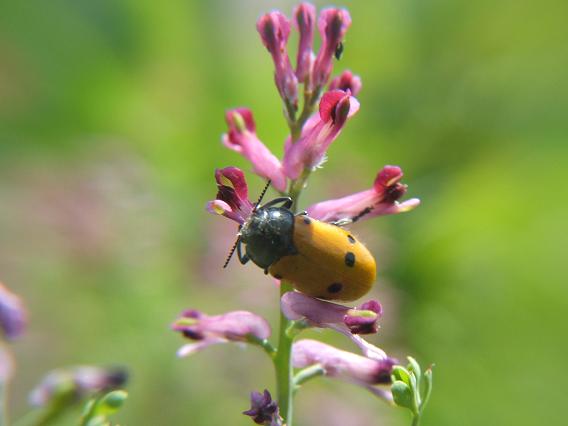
[110, 118]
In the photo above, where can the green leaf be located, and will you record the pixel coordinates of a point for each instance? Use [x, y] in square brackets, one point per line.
[402, 395]
[401, 373]
[414, 367]
[111, 403]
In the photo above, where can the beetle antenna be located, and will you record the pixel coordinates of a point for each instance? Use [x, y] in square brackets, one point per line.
[262, 194]
[232, 252]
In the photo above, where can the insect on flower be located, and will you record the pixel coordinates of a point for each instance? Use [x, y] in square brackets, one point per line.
[320, 259]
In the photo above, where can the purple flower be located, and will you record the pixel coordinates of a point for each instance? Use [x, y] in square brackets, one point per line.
[319, 132]
[242, 138]
[344, 365]
[263, 410]
[274, 30]
[332, 24]
[76, 381]
[235, 326]
[347, 82]
[13, 317]
[349, 321]
[382, 199]
[232, 196]
[304, 21]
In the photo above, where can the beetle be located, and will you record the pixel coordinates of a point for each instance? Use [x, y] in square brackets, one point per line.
[320, 259]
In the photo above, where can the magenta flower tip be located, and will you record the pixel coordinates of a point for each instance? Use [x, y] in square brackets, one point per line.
[232, 195]
[13, 317]
[347, 81]
[333, 24]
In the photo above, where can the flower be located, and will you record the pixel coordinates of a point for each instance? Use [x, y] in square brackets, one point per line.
[347, 82]
[304, 21]
[76, 382]
[319, 313]
[382, 199]
[344, 365]
[242, 138]
[235, 326]
[352, 322]
[12, 314]
[309, 151]
[274, 30]
[332, 24]
[263, 410]
[232, 196]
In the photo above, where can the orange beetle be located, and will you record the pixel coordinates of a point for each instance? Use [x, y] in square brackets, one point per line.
[320, 259]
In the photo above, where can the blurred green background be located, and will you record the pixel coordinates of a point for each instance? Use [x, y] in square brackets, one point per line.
[110, 120]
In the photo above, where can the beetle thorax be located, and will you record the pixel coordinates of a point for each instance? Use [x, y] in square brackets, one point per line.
[268, 235]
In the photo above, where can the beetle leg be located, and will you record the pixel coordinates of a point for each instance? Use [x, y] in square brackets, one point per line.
[286, 202]
[243, 257]
[349, 221]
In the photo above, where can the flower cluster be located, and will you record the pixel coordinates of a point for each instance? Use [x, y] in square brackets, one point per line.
[315, 123]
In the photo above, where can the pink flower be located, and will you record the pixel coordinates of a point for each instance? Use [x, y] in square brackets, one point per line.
[347, 82]
[346, 320]
[274, 30]
[332, 24]
[309, 151]
[344, 365]
[242, 138]
[382, 199]
[13, 317]
[80, 381]
[235, 326]
[263, 410]
[304, 21]
[232, 196]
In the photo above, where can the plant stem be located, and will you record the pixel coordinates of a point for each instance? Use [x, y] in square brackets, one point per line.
[4, 404]
[283, 364]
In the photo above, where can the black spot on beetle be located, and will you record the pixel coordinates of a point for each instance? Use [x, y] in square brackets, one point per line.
[335, 288]
[278, 276]
[307, 220]
[350, 259]
[351, 239]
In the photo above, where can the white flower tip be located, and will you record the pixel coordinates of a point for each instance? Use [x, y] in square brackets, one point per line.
[218, 207]
[408, 205]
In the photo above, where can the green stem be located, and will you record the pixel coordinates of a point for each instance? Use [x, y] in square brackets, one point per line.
[415, 419]
[308, 373]
[283, 364]
[4, 404]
